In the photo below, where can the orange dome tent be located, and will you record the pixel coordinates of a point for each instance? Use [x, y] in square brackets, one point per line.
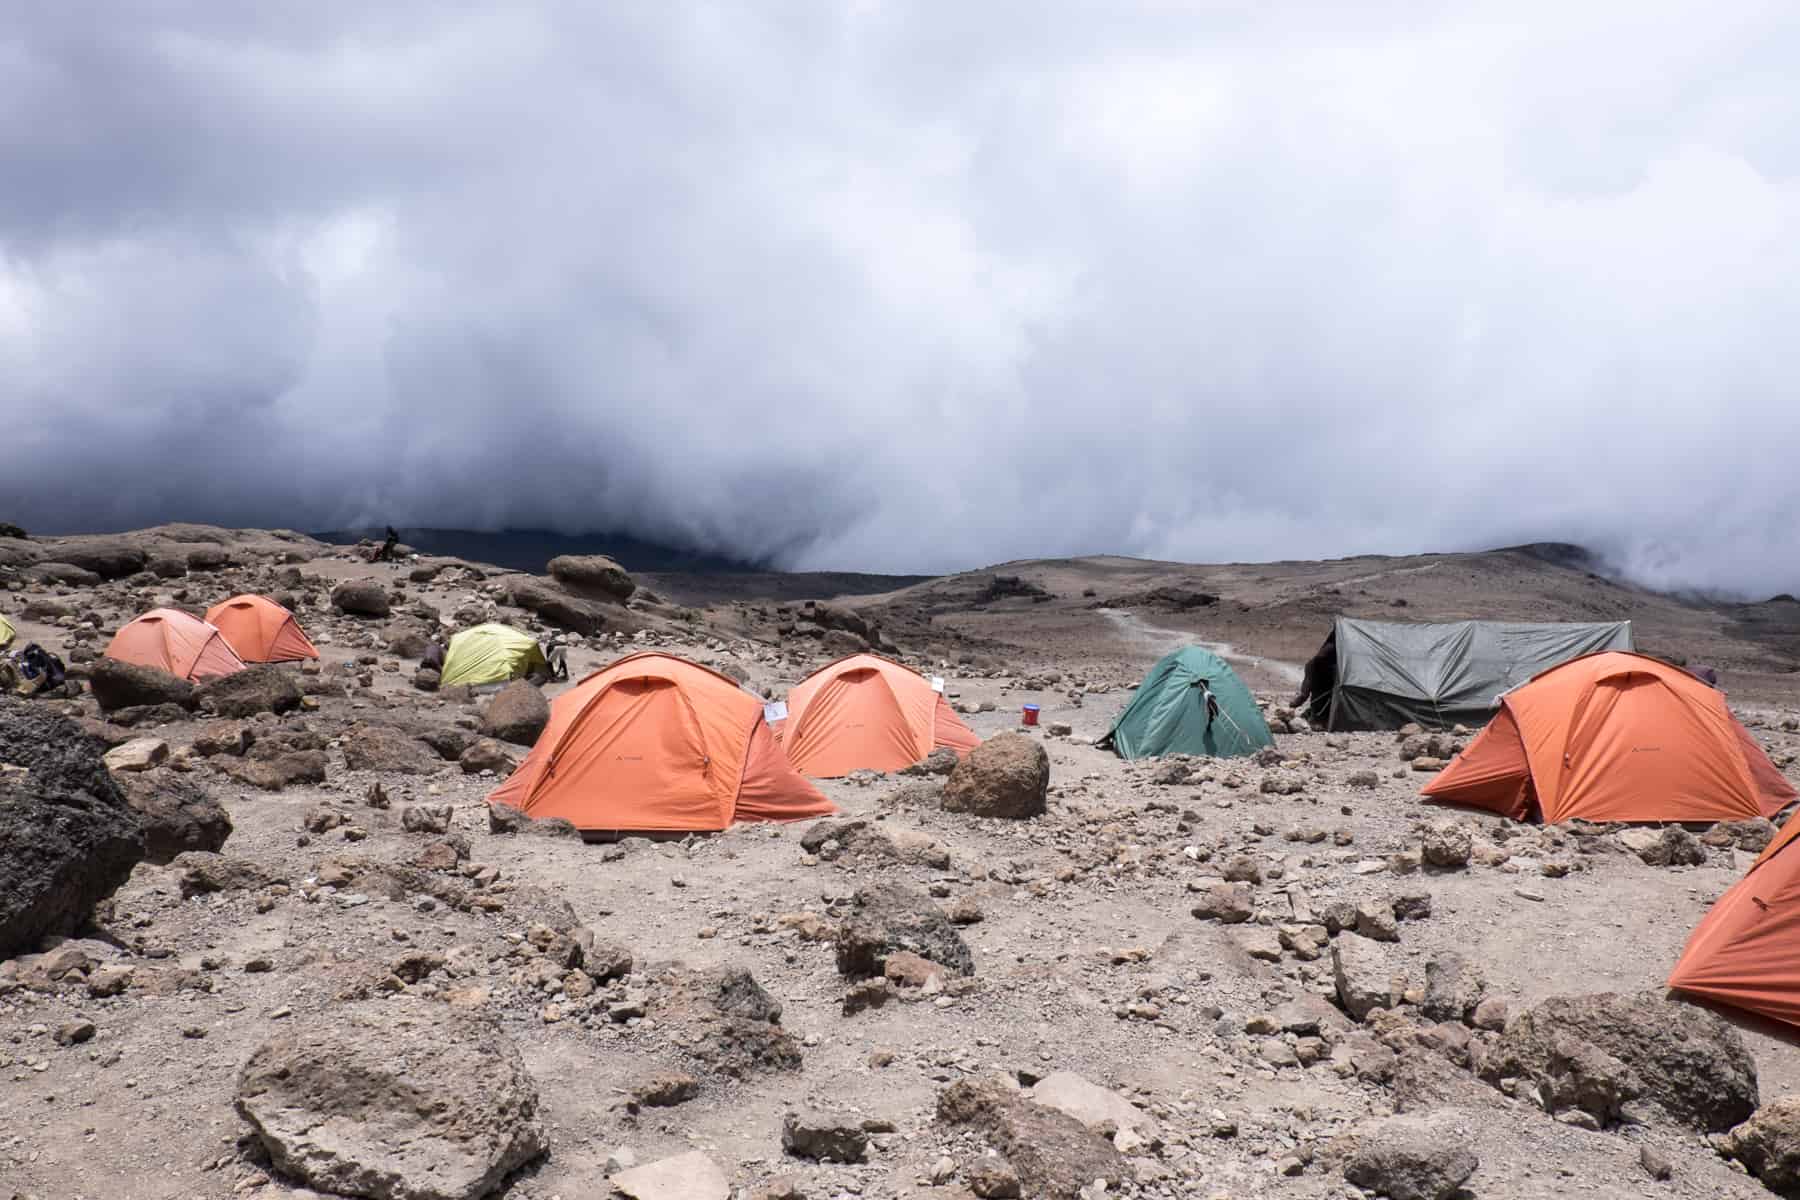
[1614, 737]
[866, 711]
[168, 639]
[1743, 951]
[260, 630]
[654, 743]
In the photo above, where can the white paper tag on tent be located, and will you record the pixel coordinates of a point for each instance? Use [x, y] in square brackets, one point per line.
[937, 683]
[775, 710]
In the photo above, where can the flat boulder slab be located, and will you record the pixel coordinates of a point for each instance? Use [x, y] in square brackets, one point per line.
[1100, 1109]
[264, 688]
[119, 685]
[177, 815]
[690, 1176]
[593, 575]
[139, 754]
[1006, 776]
[1410, 1157]
[109, 558]
[1610, 1053]
[517, 714]
[360, 598]
[566, 610]
[393, 1101]
[1768, 1144]
[888, 918]
[1054, 1154]
[68, 838]
[372, 747]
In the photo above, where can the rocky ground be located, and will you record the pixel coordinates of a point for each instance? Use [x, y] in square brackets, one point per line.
[1282, 977]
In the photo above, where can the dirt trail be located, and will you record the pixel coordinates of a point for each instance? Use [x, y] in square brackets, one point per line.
[1156, 641]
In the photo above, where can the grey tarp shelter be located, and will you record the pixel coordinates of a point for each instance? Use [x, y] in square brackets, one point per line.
[1390, 673]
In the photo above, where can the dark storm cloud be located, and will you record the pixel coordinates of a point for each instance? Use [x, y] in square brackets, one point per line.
[913, 286]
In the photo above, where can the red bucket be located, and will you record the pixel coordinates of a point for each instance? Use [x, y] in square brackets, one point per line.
[1029, 714]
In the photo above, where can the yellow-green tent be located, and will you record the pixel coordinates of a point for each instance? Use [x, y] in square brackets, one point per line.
[490, 654]
[7, 633]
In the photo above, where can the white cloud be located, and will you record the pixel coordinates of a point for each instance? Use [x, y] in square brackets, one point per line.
[911, 287]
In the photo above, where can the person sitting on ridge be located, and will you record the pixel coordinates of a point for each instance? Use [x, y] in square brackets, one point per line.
[386, 552]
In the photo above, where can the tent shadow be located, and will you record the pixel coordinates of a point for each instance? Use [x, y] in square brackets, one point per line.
[1739, 1019]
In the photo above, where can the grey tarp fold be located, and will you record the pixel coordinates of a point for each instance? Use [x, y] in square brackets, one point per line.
[1390, 673]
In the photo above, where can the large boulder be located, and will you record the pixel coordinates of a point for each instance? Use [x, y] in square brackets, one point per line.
[1607, 1054]
[371, 747]
[64, 573]
[592, 574]
[177, 816]
[565, 609]
[258, 689]
[109, 558]
[1768, 1144]
[1054, 1154]
[68, 838]
[517, 714]
[1006, 776]
[126, 685]
[1411, 1157]
[393, 1101]
[888, 918]
[361, 598]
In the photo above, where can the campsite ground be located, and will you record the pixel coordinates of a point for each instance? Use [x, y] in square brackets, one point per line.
[1087, 956]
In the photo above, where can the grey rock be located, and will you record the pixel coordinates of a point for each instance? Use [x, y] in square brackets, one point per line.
[176, 814]
[118, 684]
[360, 598]
[392, 1101]
[824, 1137]
[1598, 1053]
[1412, 1157]
[1367, 974]
[592, 574]
[1054, 1154]
[517, 714]
[890, 917]
[263, 688]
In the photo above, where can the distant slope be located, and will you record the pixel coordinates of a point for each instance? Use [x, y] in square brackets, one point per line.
[1282, 610]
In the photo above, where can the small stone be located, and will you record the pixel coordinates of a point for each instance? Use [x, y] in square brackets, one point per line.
[1655, 1163]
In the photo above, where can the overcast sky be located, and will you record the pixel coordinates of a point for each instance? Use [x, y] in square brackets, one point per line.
[914, 285]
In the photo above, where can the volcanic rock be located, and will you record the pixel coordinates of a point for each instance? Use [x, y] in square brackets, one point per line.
[392, 1101]
[126, 685]
[517, 714]
[889, 917]
[68, 838]
[256, 689]
[1006, 776]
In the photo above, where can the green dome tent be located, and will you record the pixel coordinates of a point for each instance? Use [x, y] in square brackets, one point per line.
[490, 654]
[7, 633]
[1190, 703]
